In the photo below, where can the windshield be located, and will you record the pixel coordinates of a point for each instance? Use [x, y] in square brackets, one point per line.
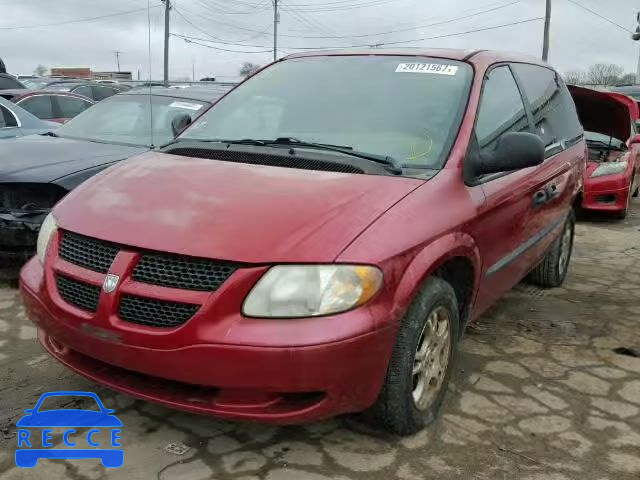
[57, 402]
[408, 108]
[126, 119]
[33, 83]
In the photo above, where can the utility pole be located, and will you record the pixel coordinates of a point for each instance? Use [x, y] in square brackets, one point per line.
[276, 19]
[547, 26]
[118, 59]
[167, 7]
[636, 36]
[193, 69]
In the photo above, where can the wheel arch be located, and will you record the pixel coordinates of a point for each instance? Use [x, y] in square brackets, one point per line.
[456, 259]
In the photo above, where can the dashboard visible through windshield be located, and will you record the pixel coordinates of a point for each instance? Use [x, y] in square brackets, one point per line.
[408, 108]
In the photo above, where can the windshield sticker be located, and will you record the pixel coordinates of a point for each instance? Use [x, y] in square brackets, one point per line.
[437, 68]
[187, 105]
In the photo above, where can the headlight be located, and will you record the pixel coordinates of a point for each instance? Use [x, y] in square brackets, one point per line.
[293, 291]
[47, 229]
[609, 169]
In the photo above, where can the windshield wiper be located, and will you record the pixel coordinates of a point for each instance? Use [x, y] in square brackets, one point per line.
[391, 164]
[50, 134]
[601, 144]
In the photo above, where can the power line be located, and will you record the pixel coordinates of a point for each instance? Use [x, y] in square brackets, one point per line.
[218, 48]
[482, 29]
[80, 20]
[219, 39]
[325, 8]
[598, 15]
[415, 27]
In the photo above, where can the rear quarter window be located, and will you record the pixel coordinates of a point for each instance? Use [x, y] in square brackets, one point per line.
[70, 106]
[6, 118]
[554, 113]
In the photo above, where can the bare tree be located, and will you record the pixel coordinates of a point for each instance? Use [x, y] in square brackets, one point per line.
[249, 68]
[627, 79]
[40, 70]
[604, 74]
[575, 77]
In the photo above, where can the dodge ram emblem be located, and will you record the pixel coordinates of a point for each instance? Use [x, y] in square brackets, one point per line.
[110, 283]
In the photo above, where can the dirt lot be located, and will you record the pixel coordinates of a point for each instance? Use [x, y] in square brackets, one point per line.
[539, 394]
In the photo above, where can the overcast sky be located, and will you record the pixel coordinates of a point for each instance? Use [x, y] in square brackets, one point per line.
[578, 38]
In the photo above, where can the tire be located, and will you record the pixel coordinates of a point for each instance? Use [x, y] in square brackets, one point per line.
[395, 409]
[552, 270]
[621, 215]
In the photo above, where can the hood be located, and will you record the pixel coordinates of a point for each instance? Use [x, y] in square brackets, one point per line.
[37, 158]
[608, 113]
[229, 211]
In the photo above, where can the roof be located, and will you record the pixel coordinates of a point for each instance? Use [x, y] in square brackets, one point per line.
[471, 55]
[207, 93]
[23, 92]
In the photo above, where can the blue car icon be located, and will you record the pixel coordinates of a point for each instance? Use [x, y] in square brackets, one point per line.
[68, 418]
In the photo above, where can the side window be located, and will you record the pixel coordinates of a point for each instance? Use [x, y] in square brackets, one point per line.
[69, 107]
[84, 90]
[6, 118]
[40, 106]
[501, 109]
[100, 93]
[553, 110]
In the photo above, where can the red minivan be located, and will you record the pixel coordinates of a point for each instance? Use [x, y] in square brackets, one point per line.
[317, 241]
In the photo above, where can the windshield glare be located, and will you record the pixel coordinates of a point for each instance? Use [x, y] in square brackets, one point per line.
[127, 119]
[67, 401]
[375, 104]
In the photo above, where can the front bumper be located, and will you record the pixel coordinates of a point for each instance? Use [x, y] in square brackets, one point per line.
[280, 384]
[606, 199]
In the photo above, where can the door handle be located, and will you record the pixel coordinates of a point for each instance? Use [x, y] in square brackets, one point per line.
[540, 198]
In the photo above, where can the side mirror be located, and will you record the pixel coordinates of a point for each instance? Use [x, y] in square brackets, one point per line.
[515, 150]
[180, 122]
[635, 140]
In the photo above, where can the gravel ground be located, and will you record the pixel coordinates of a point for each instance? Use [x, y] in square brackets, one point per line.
[539, 393]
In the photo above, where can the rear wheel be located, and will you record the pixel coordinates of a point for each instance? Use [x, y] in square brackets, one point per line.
[552, 270]
[421, 362]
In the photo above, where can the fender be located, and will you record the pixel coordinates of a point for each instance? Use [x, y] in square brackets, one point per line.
[428, 260]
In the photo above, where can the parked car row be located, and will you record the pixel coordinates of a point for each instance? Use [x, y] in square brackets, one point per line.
[37, 171]
[307, 246]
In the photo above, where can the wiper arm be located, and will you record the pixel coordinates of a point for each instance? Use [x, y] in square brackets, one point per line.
[601, 144]
[392, 164]
[50, 134]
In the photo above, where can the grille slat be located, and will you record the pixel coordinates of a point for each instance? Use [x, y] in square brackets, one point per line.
[87, 252]
[155, 313]
[182, 272]
[153, 268]
[82, 295]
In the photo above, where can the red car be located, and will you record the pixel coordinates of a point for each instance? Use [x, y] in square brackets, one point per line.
[612, 175]
[51, 106]
[316, 242]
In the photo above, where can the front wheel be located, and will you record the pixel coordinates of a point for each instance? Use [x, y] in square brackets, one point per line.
[421, 362]
[552, 270]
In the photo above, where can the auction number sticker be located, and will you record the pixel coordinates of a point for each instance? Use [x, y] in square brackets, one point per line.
[437, 68]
